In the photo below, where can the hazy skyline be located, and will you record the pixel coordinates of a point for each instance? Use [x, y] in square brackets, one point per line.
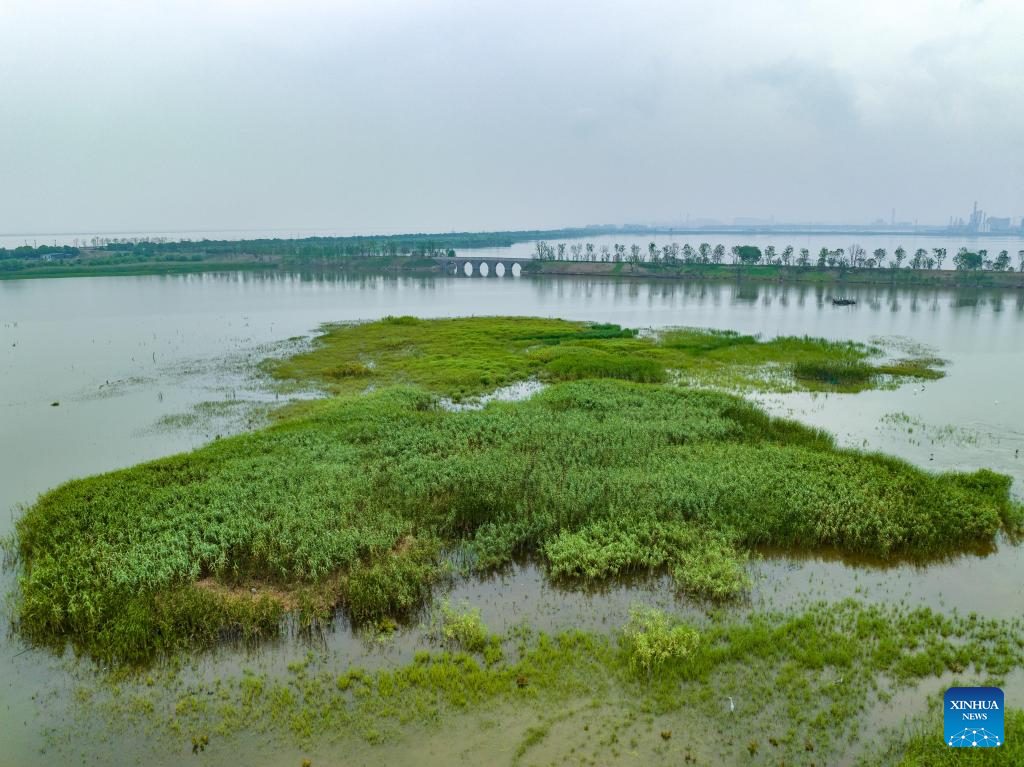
[401, 116]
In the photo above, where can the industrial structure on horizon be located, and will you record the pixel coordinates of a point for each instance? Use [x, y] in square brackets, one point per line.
[982, 223]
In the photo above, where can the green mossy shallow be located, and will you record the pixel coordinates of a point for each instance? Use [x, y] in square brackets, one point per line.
[801, 682]
[353, 501]
[469, 356]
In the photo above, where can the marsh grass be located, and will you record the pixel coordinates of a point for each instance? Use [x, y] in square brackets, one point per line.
[844, 374]
[923, 746]
[347, 502]
[464, 357]
[802, 681]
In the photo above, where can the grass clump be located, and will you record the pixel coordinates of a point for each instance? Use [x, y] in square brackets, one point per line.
[702, 560]
[394, 584]
[838, 373]
[465, 629]
[652, 640]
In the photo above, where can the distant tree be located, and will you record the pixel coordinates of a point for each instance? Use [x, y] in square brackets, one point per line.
[900, 255]
[965, 260]
[1002, 262]
[879, 255]
[620, 253]
[769, 254]
[590, 251]
[674, 252]
[940, 256]
[747, 254]
[857, 255]
[688, 254]
[805, 257]
[635, 255]
[705, 252]
[576, 251]
[652, 252]
[561, 251]
[917, 262]
[787, 255]
[839, 257]
[606, 253]
[718, 253]
[543, 250]
[1020, 257]
[870, 263]
[822, 257]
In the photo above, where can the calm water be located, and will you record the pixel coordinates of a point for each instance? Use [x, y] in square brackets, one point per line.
[126, 357]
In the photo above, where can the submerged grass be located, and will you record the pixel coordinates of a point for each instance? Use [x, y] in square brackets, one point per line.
[801, 683]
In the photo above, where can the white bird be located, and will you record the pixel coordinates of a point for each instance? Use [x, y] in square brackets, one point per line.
[732, 706]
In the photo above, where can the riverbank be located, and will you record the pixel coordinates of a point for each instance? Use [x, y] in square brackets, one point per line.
[413, 265]
[902, 278]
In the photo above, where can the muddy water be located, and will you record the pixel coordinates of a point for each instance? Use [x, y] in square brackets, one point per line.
[129, 359]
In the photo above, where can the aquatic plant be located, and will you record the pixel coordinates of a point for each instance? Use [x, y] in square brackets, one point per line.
[463, 357]
[802, 681]
[348, 502]
[652, 640]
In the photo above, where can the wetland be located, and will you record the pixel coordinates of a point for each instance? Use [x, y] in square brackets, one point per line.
[708, 504]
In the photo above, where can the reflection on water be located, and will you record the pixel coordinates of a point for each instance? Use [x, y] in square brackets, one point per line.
[123, 355]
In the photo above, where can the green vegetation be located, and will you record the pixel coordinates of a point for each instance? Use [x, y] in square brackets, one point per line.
[355, 501]
[419, 252]
[925, 747]
[653, 692]
[652, 640]
[470, 356]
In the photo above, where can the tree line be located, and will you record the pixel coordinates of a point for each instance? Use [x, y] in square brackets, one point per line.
[854, 257]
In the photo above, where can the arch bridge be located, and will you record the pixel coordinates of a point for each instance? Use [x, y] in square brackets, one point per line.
[475, 266]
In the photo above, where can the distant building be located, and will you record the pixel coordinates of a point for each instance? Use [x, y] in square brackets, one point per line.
[995, 224]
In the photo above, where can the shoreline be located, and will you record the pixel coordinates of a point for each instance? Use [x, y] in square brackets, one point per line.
[903, 278]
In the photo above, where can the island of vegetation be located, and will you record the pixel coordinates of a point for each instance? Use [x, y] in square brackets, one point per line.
[353, 501]
[631, 454]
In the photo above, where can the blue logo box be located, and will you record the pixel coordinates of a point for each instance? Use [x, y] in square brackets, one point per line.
[973, 717]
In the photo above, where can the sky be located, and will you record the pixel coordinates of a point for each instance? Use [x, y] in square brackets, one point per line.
[384, 115]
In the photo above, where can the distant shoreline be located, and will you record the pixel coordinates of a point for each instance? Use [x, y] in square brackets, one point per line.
[411, 265]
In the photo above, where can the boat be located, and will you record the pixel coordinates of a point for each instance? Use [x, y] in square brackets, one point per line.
[844, 302]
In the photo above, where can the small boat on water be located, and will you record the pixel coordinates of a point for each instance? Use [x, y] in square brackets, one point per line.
[844, 302]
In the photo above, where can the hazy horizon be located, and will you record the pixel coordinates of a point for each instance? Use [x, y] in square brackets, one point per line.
[393, 116]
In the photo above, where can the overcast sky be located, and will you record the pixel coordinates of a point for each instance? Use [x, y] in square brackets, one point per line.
[414, 116]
